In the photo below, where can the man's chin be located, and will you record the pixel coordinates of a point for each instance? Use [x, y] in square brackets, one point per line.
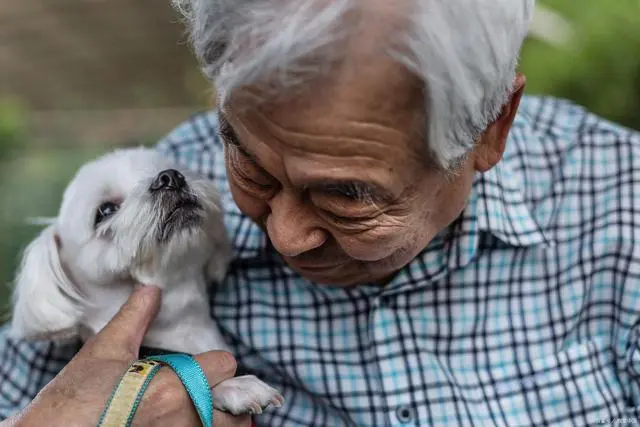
[343, 276]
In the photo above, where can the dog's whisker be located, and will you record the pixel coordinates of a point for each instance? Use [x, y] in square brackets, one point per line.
[40, 221]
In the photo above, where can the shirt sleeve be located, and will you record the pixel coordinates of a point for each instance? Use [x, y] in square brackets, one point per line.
[629, 313]
[26, 367]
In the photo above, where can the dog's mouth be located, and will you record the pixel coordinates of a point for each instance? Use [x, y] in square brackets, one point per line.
[179, 213]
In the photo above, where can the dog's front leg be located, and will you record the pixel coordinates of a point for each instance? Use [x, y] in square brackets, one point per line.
[245, 395]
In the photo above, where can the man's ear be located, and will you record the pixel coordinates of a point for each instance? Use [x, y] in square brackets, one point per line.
[491, 146]
[45, 302]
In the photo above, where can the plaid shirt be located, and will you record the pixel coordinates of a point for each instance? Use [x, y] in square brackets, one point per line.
[525, 311]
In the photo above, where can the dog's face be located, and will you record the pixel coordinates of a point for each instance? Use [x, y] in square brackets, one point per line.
[127, 217]
[130, 213]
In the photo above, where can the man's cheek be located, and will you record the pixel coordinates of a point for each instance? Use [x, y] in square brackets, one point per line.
[377, 243]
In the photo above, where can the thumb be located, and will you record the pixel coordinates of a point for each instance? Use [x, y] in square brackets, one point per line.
[124, 333]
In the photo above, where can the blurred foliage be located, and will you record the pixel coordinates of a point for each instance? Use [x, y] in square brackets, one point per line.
[12, 128]
[599, 67]
[12, 137]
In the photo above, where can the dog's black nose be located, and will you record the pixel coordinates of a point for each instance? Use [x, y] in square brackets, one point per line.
[169, 179]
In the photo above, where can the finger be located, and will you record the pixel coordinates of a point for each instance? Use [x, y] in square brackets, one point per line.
[124, 333]
[217, 366]
[223, 419]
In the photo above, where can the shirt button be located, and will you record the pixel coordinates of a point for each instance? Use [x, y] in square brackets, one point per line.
[404, 414]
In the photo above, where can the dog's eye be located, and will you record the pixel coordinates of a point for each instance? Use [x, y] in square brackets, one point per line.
[105, 210]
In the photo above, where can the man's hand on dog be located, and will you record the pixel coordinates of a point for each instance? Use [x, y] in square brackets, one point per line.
[77, 396]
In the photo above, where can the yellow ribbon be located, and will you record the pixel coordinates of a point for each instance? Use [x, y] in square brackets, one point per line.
[124, 400]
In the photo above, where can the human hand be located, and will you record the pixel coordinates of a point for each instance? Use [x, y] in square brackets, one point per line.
[78, 394]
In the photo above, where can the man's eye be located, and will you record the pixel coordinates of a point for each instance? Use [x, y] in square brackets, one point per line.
[105, 210]
[345, 193]
[350, 192]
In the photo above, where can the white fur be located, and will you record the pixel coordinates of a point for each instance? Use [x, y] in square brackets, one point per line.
[76, 275]
[45, 297]
[465, 51]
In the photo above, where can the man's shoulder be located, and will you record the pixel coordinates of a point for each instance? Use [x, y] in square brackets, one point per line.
[568, 126]
[559, 137]
[581, 172]
[195, 146]
[193, 141]
[196, 128]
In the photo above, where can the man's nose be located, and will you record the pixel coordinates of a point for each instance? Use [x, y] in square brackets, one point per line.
[169, 179]
[292, 226]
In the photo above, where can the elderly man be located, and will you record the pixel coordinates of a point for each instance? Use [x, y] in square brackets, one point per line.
[414, 244]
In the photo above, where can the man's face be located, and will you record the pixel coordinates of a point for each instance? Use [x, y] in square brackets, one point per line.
[296, 167]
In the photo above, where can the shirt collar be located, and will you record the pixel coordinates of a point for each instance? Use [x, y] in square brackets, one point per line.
[497, 205]
[500, 194]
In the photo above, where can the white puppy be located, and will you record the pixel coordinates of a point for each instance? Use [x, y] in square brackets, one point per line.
[131, 217]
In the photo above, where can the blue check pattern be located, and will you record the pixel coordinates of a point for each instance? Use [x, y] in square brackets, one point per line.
[525, 311]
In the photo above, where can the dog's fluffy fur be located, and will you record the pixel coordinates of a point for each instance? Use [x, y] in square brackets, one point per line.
[80, 270]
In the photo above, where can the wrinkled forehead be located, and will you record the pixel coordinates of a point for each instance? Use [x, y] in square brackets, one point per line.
[111, 178]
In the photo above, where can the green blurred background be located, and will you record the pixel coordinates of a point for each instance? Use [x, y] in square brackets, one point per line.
[78, 77]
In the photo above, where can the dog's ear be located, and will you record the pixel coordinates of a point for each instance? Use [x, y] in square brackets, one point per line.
[44, 299]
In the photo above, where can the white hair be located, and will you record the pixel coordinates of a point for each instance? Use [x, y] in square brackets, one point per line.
[464, 51]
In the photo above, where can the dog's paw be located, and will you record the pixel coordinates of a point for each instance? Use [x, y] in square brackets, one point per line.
[245, 395]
